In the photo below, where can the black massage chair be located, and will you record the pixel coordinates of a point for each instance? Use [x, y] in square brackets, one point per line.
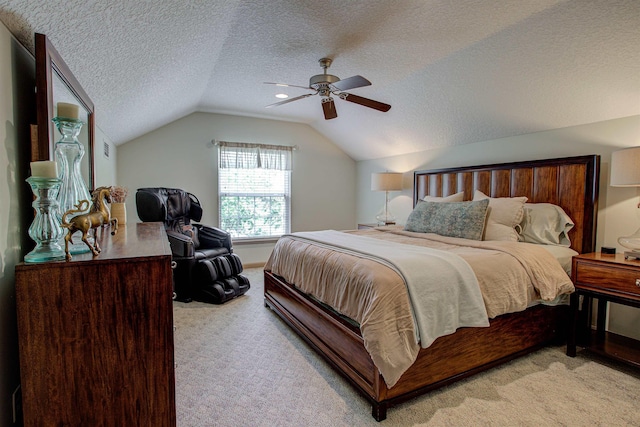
[205, 267]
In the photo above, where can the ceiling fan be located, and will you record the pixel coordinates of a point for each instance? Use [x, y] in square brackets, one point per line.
[326, 85]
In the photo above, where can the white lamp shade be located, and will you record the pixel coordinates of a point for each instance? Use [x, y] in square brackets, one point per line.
[386, 181]
[625, 167]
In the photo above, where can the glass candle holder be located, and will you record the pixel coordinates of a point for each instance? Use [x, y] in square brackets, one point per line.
[45, 229]
[69, 153]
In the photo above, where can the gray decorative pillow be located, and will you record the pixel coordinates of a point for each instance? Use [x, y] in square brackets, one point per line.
[453, 219]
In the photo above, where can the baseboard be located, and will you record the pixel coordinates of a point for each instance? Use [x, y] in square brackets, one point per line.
[253, 265]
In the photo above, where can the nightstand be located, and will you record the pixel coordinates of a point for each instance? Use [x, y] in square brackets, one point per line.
[607, 278]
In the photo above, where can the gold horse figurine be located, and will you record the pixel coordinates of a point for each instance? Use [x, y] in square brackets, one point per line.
[98, 216]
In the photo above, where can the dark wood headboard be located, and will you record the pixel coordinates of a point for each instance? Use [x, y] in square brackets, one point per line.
[570, 182]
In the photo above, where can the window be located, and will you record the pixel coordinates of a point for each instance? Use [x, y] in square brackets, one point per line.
[254, 189]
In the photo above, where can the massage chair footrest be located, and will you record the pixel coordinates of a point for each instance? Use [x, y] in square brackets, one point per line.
[218, 279]
[223, 290]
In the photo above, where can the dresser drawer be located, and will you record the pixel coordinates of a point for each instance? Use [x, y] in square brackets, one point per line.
[615, 278]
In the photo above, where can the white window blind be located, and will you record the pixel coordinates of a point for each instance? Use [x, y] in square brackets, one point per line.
[254, 188]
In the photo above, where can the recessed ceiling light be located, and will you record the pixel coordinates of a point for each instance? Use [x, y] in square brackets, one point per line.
[282, 95]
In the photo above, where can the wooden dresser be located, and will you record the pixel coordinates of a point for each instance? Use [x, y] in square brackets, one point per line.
[96, 334]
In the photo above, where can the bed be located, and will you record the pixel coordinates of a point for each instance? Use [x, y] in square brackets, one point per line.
[571, 183]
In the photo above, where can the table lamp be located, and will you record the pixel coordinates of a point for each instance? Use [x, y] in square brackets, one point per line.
[386, 181]
[625, 172]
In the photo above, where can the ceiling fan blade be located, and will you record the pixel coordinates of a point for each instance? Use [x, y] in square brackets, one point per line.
[290, 100]
[351, 83]
[286, 85]
[366, 102]
[329, 108]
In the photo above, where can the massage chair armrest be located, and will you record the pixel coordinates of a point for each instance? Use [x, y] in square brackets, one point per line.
[212, 237]
[181, 245]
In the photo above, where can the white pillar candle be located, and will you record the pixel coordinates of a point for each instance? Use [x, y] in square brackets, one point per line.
[44, 169]
[69, 111]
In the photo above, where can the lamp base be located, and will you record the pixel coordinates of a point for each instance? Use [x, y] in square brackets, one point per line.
[631, 254]
[385, 220]
[631, 242]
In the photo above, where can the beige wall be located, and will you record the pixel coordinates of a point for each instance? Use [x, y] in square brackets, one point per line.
[617, 213]
[105, 166]
[181, 155]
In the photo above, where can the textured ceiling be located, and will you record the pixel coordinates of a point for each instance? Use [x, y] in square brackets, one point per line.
[454, 72]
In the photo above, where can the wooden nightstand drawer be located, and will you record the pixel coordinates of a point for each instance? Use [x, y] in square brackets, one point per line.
[609, 277]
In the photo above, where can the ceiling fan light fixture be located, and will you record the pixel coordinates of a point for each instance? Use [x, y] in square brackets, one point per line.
[282, 95]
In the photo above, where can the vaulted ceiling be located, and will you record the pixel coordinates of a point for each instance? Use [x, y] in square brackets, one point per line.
[455, 72]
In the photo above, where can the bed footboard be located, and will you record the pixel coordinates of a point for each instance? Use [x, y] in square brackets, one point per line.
[338, 341]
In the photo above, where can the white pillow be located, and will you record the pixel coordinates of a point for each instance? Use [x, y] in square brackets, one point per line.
[504, 216]
[458, 197]
[547, 224]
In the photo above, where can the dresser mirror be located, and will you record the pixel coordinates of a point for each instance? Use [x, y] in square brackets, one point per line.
[56, 83]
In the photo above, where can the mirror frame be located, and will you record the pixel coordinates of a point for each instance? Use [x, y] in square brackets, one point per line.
[49, 61]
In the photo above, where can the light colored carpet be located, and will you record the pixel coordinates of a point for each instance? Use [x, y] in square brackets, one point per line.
[240, 365]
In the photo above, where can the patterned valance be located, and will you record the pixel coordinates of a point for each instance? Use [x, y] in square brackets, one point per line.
[242, 155]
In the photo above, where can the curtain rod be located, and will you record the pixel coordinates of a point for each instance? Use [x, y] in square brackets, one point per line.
[217, 143]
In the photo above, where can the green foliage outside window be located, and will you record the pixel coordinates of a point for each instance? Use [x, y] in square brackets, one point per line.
[254, 202]
[249, 216]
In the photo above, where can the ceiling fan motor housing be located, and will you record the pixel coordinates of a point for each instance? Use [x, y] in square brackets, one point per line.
[320, 79]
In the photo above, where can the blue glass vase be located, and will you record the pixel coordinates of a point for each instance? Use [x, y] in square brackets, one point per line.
[45, 229]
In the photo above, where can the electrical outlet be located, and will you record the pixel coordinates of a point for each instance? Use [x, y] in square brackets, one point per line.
[16, 404]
